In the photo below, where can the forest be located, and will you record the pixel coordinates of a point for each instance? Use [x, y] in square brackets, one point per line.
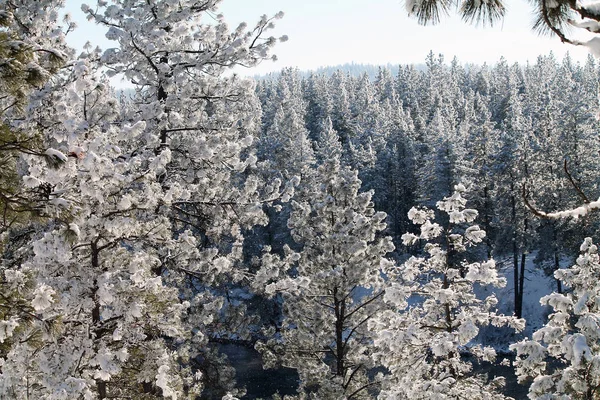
[371, 234]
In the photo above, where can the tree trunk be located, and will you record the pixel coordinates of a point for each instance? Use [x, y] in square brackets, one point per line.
[556, 258]
[487, 220]
[521, 283]
[340, 311]
[519, 311]
[515, 249]
[100, 384]
[162, 96]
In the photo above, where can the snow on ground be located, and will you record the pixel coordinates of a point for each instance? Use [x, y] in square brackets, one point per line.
[537, 284]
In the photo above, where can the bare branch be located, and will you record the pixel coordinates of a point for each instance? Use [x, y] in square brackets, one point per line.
[534, 210]
[372, 299]
[575, 185]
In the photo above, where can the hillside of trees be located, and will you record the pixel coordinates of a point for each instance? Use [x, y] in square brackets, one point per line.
[506, 132]
[353, 69]
[356, 230]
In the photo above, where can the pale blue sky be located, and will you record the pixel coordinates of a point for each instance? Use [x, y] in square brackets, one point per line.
[329, 32]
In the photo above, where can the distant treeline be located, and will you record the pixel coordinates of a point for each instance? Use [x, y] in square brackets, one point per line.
[413, 132]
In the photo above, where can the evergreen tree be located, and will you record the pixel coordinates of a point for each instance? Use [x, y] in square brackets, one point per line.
[434, 311]
[438, 172]
[482, 145]
[341, 115]
[319, 102]
[116, 283]
[562, 357]
[328, 146]
[384, 86]
[394, 177]
[30, 59]
[513, 169]
[331, 288]
[286, 146]
[409, 88]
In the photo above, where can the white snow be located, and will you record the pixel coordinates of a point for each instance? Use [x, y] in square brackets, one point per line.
[57, 154]
[537, 285]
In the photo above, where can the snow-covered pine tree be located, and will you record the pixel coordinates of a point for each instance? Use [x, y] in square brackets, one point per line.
[548, 181]
[341, 116]
[103, 318]
[285, 150]
[32, 48]
[82, 271]
[563, 140]
[512, 172]
[331, 288]
[368, 128]
[394, 176]
[328, 145]
[317, 94]
[434, 314]
[563, 356]
[438, 172]
[136, 201]
[286, 146]
[177, 54]
[385, 86]
[409, 83]
[177, 62]
[477, 167]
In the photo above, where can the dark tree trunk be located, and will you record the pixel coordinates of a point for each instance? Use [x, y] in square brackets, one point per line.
[162, 98]
[340, 311]
[521, 283]
[100, 384]
[487, 219]
[519, 303]
[556, 258]
[515, 249]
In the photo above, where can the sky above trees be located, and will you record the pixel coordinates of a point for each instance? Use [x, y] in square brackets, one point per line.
[331, 32]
